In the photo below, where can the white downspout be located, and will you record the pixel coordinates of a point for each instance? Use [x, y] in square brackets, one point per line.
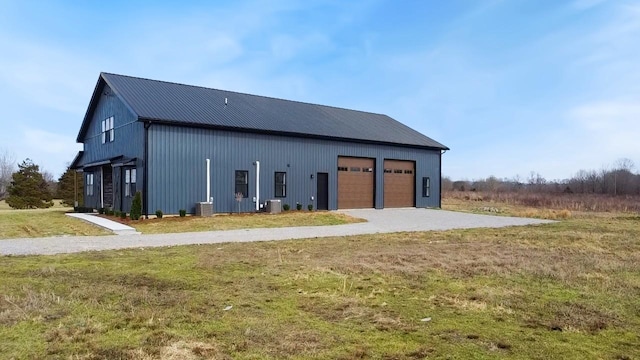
[208, 199]
[257, 185]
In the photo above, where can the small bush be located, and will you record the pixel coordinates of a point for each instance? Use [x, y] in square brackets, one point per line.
[108, 212]
[159, 214]
[100, 211]
[123, 215]
[298, 206]
[83, 209]
[136, 207]
[310, 207]
[116, 213]
[183, 212]
[286, 207]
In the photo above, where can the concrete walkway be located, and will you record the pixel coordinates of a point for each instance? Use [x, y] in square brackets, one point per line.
[379, 221]
[114, 226]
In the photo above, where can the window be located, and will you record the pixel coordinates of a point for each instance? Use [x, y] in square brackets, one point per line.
[242, 183]
[408, 171]
[89, 184]
[343, 168]
[130, 182]
[367, 169]
[107, 130]
[281, 184]
[388, 171]
[355, 169]
[397, 171]
[426, 187]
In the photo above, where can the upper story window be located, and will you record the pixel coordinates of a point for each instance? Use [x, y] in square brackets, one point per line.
[107, 130]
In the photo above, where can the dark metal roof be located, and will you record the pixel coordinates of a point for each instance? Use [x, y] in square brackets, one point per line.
[198, 106]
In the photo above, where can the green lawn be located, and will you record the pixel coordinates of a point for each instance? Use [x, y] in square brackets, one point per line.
[42, 223]
[54, 222]
[240, 221]
[569, 290]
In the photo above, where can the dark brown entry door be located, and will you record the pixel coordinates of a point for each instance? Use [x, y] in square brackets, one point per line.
[323, 191]
[356, 182]
[107, 186]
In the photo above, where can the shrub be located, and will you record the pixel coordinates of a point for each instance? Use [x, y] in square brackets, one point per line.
[183, 212]
[100, 211]
[298, 206]
[286, 207]
[159, 214]
[310, 207]
[123, 215]
[83, 209]
[116, 213]
[108, 212]
[136, 207]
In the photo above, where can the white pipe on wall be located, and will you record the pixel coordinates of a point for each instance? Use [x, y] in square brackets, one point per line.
[257, 185]
[208, 182]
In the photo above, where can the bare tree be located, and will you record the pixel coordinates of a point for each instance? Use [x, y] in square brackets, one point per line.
[7, 168]
[52, 184]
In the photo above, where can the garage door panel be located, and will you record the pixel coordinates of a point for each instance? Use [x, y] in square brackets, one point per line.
[355, 183]
[399, 183]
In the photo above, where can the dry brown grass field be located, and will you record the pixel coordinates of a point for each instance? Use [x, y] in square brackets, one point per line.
[567, 290]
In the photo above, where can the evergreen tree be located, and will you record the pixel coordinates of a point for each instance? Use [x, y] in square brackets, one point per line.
[70, 185]
[136, 207]
[28, 189]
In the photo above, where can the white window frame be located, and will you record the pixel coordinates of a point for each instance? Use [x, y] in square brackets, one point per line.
[108, 132]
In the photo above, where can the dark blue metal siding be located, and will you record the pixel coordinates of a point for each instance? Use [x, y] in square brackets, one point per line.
[177, 168]
[128, 142]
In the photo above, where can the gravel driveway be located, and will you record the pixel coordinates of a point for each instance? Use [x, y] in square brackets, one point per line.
[379, 221]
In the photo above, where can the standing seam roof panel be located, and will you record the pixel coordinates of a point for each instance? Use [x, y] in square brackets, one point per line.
[193, 105]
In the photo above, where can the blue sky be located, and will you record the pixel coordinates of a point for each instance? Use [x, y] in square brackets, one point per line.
[510, 86]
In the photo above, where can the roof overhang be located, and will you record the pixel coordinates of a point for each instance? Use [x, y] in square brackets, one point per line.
[76, 160]
[289, 134]
[114, 161]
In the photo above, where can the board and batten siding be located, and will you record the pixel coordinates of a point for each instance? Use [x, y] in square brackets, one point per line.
[128, 142]
[177, 167]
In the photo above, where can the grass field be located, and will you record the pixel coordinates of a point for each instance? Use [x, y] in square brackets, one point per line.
[42, 223]
[569, 290]
[53, 222]
[241, 221]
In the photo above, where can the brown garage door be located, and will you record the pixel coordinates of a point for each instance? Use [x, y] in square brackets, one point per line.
[399, 183]
[355, 182]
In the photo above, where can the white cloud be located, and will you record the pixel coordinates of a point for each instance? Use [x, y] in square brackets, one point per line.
[612, 126]
[53, 78]
[52, 151]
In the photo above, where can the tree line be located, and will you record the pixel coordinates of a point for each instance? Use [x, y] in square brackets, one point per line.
[26, 186]
[619, 179]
